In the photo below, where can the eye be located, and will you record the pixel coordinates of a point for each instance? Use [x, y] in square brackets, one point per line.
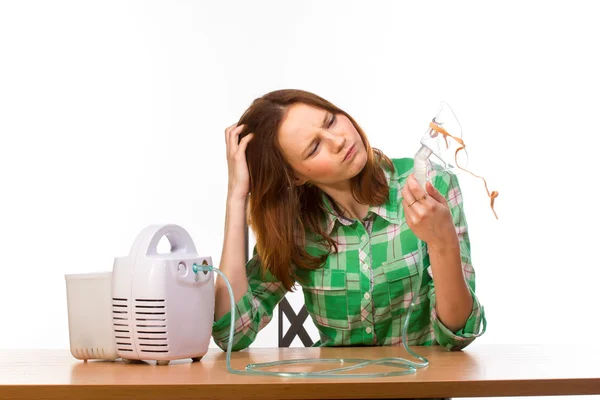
[314, 149]
[333, 118]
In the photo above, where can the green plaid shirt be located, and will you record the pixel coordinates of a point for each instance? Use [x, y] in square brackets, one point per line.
[362, 294]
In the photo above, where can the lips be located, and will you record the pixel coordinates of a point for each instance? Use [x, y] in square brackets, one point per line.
[349, 153]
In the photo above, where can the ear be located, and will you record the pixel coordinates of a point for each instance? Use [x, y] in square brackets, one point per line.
[300, 181]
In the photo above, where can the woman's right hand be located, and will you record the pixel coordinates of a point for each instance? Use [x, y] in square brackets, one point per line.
[239, 177]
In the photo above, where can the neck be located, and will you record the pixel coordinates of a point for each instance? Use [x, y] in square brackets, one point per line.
[345, 202]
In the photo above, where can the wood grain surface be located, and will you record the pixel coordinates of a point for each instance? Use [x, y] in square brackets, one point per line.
[478, 371]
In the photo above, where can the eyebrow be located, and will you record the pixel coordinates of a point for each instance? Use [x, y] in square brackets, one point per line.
[306, 150]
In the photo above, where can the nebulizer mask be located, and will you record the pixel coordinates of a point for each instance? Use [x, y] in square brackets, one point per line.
[443, 140]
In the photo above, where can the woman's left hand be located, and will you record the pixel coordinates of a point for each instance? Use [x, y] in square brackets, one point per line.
[427, 214]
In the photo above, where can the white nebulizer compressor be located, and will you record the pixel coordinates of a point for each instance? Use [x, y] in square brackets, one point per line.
[152, 306]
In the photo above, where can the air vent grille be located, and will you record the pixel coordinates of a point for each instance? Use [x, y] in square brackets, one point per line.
[151, 325]
[121, 315]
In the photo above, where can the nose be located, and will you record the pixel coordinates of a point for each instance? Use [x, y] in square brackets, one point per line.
[338, 142]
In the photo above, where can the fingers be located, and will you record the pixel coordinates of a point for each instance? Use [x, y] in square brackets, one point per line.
[231, 137]
[412, 193]
[228, 132]
[227, 135]
[435, 194]
[418, 205]
[244, 143]
[407, 195]
[230, 128]
[414, 187]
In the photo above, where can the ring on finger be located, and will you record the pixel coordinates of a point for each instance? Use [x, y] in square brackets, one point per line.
[414, 201]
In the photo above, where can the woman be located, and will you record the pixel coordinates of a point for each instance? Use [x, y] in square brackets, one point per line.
[342, 220]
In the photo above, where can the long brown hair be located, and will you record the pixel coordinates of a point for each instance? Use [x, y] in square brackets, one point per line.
[280, 212]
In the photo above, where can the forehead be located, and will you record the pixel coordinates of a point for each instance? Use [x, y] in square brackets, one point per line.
[300, 122]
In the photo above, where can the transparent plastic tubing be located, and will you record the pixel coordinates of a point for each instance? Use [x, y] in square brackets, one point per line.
[402, 366]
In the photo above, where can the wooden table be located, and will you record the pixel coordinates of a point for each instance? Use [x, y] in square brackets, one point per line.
[479, 370]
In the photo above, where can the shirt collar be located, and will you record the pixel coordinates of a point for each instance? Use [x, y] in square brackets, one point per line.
[388, 211]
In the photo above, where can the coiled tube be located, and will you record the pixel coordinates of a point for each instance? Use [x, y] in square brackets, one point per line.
[405, 367]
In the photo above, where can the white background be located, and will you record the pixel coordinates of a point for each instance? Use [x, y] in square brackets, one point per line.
[112, 117]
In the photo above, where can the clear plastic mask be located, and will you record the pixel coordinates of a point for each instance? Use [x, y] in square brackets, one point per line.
[444, 139]
[447, 149]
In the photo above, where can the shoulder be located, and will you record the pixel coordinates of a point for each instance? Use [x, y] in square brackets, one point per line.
[403, 167]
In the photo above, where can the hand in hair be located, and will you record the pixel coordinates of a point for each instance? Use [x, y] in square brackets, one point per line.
[239, 178]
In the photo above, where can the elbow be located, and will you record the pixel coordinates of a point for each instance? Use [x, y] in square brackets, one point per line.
[239, 344]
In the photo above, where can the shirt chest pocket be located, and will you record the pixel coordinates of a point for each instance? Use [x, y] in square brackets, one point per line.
[402, 276]
[326, 297]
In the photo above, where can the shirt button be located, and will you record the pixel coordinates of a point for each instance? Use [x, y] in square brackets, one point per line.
[365, 267]
[367, 296]
[363, 238]
[368, 330]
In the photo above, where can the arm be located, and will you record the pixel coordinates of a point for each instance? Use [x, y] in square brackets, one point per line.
[253, 311]
[232, 258]
[256, 294]
[456, 313]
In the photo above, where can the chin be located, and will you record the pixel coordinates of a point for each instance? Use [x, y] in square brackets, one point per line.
[357, 165]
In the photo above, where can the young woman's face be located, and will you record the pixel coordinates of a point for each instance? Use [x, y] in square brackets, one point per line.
[322, 148]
